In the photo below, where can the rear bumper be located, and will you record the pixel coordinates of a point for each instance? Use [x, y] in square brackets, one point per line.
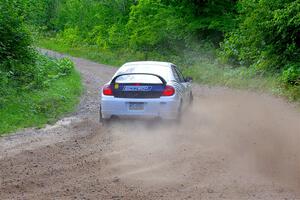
[164, 107]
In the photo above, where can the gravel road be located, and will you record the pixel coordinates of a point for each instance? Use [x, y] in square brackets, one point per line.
[230, 145]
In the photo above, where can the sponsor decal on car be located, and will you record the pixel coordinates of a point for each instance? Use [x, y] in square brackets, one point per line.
[137, 88]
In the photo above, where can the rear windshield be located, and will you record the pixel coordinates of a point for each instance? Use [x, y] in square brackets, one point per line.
[139, 78]
[163, 71]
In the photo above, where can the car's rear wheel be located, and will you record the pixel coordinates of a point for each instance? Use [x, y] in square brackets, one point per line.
[102, 120]
[191, 98]
[179, 113]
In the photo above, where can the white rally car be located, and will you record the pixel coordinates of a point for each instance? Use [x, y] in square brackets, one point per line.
[146, 89]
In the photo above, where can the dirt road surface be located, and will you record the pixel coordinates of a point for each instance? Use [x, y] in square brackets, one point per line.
[230, 145]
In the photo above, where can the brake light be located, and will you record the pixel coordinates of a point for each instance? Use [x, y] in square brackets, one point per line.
[168, 91]
[107, 90]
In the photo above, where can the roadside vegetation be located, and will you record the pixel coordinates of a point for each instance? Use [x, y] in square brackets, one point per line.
[34, 89]
[238, 43]
[252, 44]
[204, 69]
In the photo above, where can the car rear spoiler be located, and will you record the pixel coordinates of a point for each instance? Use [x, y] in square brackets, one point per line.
[160, 78]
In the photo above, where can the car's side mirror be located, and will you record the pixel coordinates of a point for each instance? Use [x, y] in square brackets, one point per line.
[188, 79]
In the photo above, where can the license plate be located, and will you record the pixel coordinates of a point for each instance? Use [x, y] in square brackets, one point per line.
[136, 106]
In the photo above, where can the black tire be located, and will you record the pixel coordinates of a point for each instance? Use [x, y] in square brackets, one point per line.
[101, 119]
[179, 114]
[191, 98]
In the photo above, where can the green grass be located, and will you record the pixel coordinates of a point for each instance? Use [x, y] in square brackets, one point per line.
[39, 107]
[241, 78]
[203, 69]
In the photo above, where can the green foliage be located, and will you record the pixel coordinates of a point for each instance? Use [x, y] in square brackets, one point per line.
[202, 68]
[15, 37]
[144, 25]
[16, 55]
[93, 22]
[291, 75]
[41, 13]
[21, 109]
[268, 36]
[49, 69]
[20, 65]
[34, 89]
[152, 25]
[35, 76]
[261, 35]
[53, 90]
[212, 18]
[70, 36]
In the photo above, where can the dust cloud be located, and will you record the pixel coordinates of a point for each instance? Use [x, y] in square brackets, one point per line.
[223, 140]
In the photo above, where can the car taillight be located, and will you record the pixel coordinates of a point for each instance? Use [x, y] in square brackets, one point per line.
[168, 91]
[107, 90]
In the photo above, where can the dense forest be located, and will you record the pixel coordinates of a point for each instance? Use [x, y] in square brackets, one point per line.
[260, 34]
[262, 37]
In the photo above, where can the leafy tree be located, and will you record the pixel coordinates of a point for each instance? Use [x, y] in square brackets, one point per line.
[262, 34]
[15, 37]
[41, 13]
[268, 37]
[21, 67]
[152, 25]
[266, 29]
